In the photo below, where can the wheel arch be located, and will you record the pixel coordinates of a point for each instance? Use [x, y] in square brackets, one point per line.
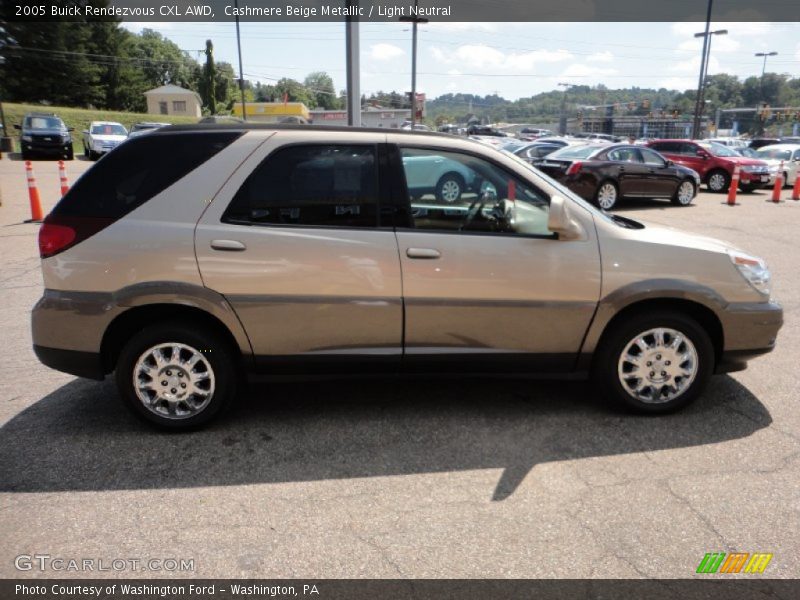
[126, 324]
[607, 317]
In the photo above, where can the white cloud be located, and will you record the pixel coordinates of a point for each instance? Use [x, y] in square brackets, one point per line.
[601, 57]
[385, 51]
[692, 65]
[719, 43]
[479, 56]
[678, 83]
[581, 70]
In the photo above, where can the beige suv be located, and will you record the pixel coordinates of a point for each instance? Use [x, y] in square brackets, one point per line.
[192, 256]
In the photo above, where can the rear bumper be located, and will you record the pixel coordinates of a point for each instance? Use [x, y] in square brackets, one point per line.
[750, 330]
[74, 362]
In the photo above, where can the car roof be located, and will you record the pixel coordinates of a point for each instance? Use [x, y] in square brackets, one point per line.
[41, 114]
[293, 127]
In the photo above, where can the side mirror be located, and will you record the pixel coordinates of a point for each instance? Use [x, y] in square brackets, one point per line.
[560, 221]
[17, 126]
[85, 131]
[702, 154]
[670, 163]
[70, 129]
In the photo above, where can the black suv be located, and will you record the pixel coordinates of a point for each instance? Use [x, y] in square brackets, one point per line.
[44, 133]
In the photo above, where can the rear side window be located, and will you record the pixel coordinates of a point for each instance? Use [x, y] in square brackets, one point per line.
[327, 185]
[138, 170]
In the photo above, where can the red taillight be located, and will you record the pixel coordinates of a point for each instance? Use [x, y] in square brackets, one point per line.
[54, 238]
[575, 168]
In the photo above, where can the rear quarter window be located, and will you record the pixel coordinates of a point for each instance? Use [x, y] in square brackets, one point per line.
[138, 170]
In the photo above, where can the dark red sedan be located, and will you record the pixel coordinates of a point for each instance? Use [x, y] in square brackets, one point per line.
[605, 174]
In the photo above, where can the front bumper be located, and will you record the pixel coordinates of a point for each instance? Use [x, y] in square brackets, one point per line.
[750, 329]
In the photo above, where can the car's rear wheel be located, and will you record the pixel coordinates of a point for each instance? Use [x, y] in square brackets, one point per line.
[655, 362]
[749, 189]
[718, 181]
[449, 188]
[684, 194]
[70, 154]
[176, 375]
[606, 195]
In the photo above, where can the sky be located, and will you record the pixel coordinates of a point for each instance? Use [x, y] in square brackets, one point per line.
[511, 59]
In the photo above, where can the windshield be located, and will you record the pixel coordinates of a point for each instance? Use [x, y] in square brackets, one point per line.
[718, 149]
[575, 152]
[775, 153]
[109, 129]
[44, 123]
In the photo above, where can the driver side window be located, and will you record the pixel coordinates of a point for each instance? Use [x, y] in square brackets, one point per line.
[452, 192]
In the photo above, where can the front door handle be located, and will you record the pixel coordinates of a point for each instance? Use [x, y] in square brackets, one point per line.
[228, 245]
[423, 253]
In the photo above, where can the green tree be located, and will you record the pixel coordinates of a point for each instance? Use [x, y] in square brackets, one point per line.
[319, 86]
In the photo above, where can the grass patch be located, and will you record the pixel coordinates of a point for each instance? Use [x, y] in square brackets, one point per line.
[79, 118]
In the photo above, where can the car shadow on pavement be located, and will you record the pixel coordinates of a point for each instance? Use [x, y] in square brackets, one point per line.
[80, 438]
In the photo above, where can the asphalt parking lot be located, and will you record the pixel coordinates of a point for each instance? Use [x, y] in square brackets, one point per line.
[416, 478]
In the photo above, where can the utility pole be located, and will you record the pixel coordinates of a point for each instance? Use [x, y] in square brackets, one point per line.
[414, 20]
[701, 99]
[239, 48]
[696, 122]
[352, 50]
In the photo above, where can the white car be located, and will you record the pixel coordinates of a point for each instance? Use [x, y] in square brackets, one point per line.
[102, 137]
[774, 155]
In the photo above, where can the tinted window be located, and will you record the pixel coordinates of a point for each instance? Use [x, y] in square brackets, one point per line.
[652, 158]
[44, 123]
[625, 155]
[451, 191]
[672, 147]
[138, 170]
[323, 185]
[109, 129]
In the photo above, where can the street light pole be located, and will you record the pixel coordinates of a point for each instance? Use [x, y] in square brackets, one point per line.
[562, 121]
[414, 20]
[701, 98]
[761, 84]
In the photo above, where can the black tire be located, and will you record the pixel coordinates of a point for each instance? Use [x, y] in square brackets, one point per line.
[718, 181]
[675, 197]
[786, 181]
[93, 155]
[615, 342]
[70, 154]
[27, 156]
[216, 355]
[605, 204]
[86, 151]
[445, 187]
[749, 189]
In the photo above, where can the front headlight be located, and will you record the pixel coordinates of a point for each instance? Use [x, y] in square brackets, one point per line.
[753, 269]
[27, 138]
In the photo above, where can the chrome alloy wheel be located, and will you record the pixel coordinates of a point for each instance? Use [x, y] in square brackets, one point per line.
[658, 365]
[173, 380]
[716, 182]
[451, 191]
[685, 193]
[607, 196]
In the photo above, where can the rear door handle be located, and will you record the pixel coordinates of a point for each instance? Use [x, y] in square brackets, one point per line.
[228, 245]
[423, 253]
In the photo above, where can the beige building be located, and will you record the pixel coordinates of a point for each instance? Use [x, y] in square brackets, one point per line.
[174, 100]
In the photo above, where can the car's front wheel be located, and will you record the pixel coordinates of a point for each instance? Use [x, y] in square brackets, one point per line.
[718, 181]
[176, 375]
[684, 194]
[655, 362]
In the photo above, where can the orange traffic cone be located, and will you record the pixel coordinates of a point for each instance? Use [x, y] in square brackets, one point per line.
[62, 175]
[796, 188]
[776, 191]
[33, 193]
[733, 187]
